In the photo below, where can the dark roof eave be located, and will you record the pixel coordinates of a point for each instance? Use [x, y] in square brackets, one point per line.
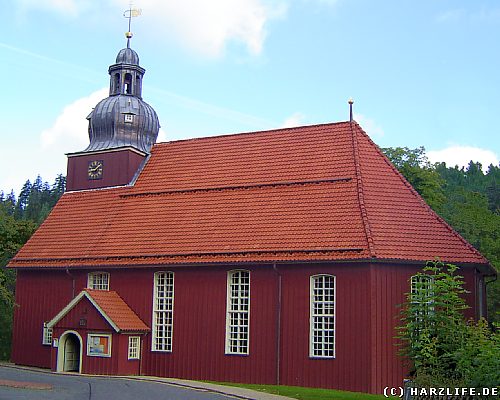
[486, 268]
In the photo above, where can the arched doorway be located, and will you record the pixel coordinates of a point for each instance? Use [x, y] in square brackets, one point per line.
[69, 352]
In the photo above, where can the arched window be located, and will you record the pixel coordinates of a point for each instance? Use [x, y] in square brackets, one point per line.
[163, 311]
[238, 312]
[322, 316]
[116, 89]
[128, 83]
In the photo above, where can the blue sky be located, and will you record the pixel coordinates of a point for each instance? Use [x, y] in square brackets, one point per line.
[421, 73]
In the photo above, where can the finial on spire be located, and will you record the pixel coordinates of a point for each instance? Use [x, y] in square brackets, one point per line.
[351, 102]
[130, 13]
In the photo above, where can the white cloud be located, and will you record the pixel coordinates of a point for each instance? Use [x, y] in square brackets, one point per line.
[296, 119]
[69, 132]
[369, 125]
[162, 136]
[462, 155]
[205, 27]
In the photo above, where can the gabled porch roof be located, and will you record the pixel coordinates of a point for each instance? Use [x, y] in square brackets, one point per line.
[112, 308]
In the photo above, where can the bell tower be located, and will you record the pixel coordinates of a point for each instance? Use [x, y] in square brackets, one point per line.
[122, 129]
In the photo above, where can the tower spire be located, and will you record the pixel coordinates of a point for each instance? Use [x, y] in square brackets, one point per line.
[129, 14]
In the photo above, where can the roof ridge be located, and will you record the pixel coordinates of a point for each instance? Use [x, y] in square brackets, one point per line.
[162, 144]
[236, 187]
[361, 200]
[419, 197]
[190, 254]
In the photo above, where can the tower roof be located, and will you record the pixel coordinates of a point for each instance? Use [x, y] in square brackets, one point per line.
[123, 118]
[312, 193]
[127, 56]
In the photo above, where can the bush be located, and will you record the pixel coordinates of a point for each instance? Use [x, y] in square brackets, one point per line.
[442, 347]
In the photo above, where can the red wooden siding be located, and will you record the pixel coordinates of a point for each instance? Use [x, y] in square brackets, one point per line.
[119, 169]
[40, 295]
[199, 330]
[367, 297]
[349, 369]
[389, 286]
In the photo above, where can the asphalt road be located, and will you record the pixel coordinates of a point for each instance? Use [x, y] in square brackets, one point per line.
[77, 387]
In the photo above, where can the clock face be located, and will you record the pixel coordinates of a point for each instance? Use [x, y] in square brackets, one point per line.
[95, 169]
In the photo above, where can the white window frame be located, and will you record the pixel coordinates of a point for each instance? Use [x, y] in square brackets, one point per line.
[319, 343]
[47, 335]
[422, 283]
[163, 312]
[90, 336]
[98, 280]
[134, 347]
[238, 313]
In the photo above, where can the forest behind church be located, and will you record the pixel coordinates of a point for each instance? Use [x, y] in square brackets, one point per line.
[467, 198]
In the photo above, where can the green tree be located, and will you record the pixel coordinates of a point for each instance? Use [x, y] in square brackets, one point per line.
[466, 198]
[415, 167]
[442, 347]
[18, 220]
[13, 234]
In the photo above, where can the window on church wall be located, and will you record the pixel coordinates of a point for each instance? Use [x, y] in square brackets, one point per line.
[322, 316]
[163, 311]
[98, 281]
[238, 312]
[134, 347]
[421, 293]
[47, 335]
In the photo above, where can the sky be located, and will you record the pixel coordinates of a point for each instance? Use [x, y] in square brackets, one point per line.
[421, 73]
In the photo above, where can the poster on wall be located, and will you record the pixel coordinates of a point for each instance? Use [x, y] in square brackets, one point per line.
[99, 345]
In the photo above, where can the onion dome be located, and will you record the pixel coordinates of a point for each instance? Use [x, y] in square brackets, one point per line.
[127, 56]
[124, 119]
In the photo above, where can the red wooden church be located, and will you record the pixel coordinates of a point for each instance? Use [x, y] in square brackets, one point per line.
[275, 257]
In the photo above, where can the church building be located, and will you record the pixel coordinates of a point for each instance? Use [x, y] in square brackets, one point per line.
[272, 257]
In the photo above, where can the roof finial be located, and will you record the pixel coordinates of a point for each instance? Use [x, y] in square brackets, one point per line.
[130, 13]
[351, 102]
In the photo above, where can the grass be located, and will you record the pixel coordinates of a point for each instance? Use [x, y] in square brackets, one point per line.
[303, 393]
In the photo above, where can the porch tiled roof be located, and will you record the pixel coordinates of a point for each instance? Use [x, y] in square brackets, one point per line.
[112, 308]
[115, 308]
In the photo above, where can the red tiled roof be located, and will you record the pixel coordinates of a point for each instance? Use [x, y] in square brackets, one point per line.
[322, 192]
[117, 310]
[111, 306]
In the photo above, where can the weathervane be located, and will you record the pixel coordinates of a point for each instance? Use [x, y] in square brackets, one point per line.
[130, 13]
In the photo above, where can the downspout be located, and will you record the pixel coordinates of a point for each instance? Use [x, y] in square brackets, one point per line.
[495, 277]
[278, 327]
[73, 283]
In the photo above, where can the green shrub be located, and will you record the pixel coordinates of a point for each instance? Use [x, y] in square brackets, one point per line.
[443, 349]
